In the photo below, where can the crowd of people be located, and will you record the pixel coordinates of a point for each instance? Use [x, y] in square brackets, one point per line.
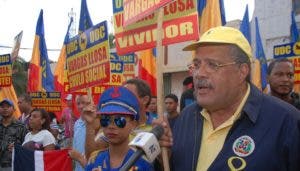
[224, 123]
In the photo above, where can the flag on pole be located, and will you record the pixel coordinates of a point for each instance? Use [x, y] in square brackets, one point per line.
[245, 26]
[30, 160]
[9, 93]
[294, 29]
[222, 11]
[260, 55]
[147, 68]
[211, 14]
[16, 47]
[85, 21]
[60, 72]
[40, 77]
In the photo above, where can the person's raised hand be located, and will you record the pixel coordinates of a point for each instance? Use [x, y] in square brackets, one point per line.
[89, 113]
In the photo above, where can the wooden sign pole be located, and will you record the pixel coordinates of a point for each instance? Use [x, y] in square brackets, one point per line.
[159, 79]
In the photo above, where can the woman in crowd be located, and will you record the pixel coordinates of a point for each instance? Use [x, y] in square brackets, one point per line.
[39, 137]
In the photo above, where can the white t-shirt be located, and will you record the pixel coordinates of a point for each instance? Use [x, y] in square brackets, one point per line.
[43, 137]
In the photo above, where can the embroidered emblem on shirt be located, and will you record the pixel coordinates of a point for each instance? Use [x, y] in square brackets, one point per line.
[243, 146]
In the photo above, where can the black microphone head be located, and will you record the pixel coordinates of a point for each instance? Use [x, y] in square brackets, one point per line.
[158, 131]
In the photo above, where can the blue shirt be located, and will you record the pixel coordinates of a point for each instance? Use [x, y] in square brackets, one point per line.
[102, 162]
[265, 137]
[150, 117]
[79, 140]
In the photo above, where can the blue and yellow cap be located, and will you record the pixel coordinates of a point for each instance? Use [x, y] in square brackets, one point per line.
[7, 101]
[119, 100]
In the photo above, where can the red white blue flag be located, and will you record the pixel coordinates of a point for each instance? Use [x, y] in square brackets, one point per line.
[30, 160]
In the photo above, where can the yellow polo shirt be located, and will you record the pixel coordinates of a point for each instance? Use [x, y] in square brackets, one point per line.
[213, 139]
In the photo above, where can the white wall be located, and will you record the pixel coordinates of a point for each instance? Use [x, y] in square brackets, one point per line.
[177, 59]
[274, 18]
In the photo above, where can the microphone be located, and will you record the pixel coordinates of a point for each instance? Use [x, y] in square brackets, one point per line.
[145, 143]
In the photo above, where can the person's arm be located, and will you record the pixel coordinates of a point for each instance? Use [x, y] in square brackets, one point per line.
[75, 155]
[92, 127]
[49, 147]
[48, 141]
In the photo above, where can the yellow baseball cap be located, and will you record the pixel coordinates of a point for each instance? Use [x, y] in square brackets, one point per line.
[222, 35]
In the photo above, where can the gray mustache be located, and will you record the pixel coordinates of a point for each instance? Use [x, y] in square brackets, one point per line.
[202, 83]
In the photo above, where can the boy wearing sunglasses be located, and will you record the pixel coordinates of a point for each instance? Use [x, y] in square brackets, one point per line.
[119, 112]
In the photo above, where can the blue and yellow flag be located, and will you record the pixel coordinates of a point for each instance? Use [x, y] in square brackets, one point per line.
[245, 26]
[211, 14]
[85, 21]
[60, 72]
[260, 55]
[40, 77]
[294, 29]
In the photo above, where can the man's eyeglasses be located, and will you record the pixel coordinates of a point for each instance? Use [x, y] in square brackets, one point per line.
[209, 65]
[119, 121]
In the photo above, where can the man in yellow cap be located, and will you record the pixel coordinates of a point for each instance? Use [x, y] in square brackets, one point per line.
[232, 125]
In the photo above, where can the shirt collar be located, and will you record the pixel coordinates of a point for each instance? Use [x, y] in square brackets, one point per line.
[235, 115]
[253, 103]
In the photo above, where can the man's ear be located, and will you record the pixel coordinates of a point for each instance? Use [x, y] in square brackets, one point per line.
[244, 71]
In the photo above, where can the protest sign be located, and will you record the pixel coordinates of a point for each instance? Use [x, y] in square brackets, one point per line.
[137, 9]
[88, 58]
[50, 101]
[292, 52]
[180, 23]
[5, 70]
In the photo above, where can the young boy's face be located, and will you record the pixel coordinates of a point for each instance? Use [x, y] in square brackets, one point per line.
[117, 127]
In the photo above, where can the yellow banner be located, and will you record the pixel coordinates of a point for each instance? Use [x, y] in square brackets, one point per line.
[5, 71]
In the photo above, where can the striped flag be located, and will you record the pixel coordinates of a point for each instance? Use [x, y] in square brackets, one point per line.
[245, 26]
[30, 160]
[211, 14]
[294, 29]
[60, 72]
[40, 77]
[147, 68]
[9, 93]
[85, 21]
[260, 55]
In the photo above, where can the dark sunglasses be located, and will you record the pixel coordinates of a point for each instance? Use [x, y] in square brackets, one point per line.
[120, 121]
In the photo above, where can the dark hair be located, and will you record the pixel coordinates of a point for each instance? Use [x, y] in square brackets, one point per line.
[142, 88]
[241, 57]
[26, 98]
[172, 96]
[275, 61]
[44, 115]
[51, 116]
[188, 80]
